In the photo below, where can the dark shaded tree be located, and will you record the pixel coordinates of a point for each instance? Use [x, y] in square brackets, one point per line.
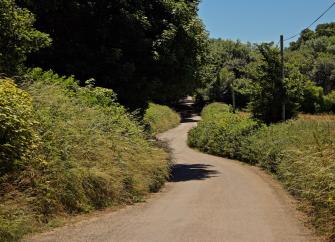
[144, 50]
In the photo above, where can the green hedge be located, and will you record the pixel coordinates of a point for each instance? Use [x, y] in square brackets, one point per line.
[92, 154]
[300, 153]
[160, 118]
[221, 132]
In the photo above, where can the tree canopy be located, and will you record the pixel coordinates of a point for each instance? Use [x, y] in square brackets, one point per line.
[144, 50]
[18, 37]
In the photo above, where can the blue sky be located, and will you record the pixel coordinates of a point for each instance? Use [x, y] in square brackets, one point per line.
[261, 20]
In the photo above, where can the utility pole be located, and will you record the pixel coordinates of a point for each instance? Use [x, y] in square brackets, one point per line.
[233, 97]
[283, 76]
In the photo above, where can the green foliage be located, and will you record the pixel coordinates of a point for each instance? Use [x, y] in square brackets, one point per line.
[18, 138]
[215, 109]
[329, 102]
[144, 50]
[314, 55]
[159, 118]
[221, 132]
[268, 91]
[93, 154]
[313, 99]
[226, 61]
[18, 38]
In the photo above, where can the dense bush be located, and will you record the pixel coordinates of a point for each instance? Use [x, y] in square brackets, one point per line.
[313, 99]
[93, 154]
[159, 118]
[301, 153]
[17, 135]
[221, 132]
[329, 102]
[215, 109]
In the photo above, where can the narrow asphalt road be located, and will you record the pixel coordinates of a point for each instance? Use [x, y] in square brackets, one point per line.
[210, 199]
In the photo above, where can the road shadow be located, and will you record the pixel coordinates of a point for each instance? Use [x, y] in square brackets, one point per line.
[189, 120]
[184, 172]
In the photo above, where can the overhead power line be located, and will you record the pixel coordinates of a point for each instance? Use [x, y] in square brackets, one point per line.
[316, 20]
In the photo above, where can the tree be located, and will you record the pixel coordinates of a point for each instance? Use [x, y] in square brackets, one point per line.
[226, 59]
[324, 72]
[268, 90]
[18, 37]
[314, 54]
[144, 50]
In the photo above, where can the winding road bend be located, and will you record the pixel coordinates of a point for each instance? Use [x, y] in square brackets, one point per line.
[209, 199]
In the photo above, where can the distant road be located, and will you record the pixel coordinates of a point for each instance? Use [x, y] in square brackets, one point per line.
[210, 199]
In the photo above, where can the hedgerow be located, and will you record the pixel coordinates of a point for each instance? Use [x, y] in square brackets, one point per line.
[92, 154]
[221, 132]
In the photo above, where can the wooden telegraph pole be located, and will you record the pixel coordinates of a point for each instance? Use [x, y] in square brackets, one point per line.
[283, 75]
[234, 98]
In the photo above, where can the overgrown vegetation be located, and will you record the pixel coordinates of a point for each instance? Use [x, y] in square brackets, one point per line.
[300, 153]
[68, 147]
[160, 118]
[89, 153]
[221, 132]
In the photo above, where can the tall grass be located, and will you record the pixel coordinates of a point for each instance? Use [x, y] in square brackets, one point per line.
[300, 153]
[92, 154]
[160, 118]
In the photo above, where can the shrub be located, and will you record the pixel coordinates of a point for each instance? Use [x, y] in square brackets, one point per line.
[17, 135]
[214, 109]
[312, 100]
[159, 118]
[329, 102]
[221, 132]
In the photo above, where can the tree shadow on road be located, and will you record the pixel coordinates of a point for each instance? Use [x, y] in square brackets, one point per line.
[185, 172]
